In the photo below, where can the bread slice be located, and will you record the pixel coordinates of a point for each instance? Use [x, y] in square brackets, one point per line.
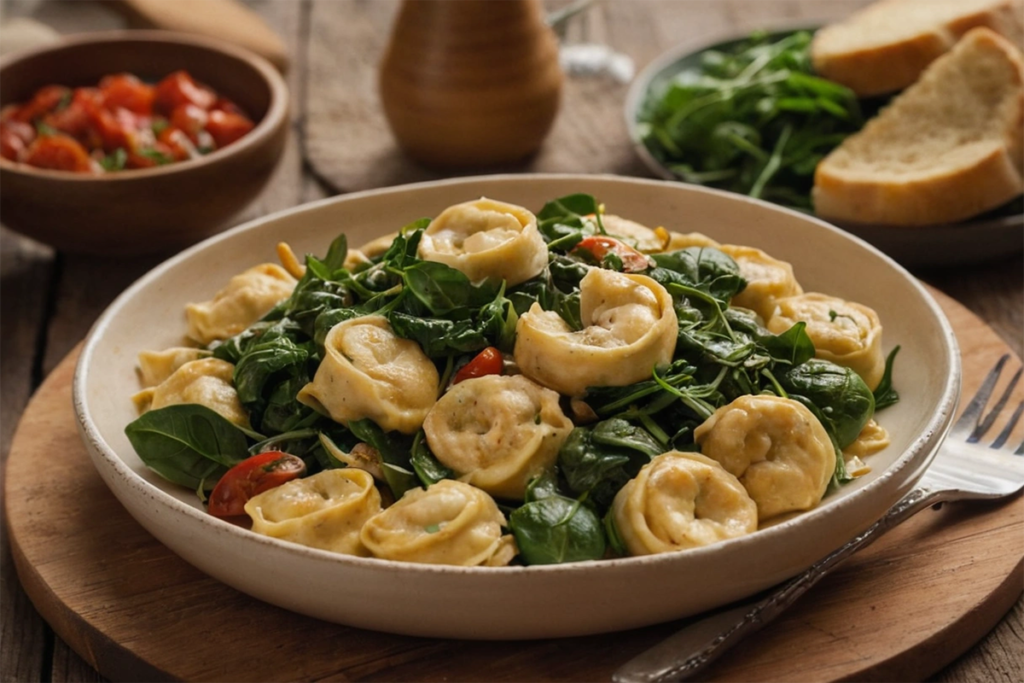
[884, 47]
[949, 147]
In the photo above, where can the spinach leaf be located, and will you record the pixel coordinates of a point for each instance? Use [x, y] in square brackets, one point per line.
[844, 402]
[426, 465]
[187, 444]
[885, 394]
[554, 530]
[599, 460]
[705, 268]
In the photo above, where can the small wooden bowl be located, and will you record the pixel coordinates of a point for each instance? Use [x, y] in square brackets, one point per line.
[151, 210]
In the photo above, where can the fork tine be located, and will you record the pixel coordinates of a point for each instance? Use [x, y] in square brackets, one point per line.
[972, 412]
[1004, 435]
[1020, 449]
[989, 419]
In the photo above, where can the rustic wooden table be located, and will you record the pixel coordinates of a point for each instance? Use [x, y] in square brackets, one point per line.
[339, 143]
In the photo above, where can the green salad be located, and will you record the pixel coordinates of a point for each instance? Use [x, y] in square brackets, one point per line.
[502, 387]
[752, 118]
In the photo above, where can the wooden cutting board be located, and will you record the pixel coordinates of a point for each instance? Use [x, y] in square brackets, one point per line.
[900, 610]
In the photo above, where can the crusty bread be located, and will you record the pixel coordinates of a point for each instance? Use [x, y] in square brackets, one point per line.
[949, 147]
[885, 46]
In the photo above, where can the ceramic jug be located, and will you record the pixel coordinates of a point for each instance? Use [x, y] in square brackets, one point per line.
[470, 83]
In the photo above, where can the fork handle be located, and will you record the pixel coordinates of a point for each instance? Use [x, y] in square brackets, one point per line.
[691, 650]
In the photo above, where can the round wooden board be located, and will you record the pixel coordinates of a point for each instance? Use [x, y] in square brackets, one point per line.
[900, 610]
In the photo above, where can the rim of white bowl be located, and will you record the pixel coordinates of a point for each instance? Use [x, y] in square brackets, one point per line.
[929, 438]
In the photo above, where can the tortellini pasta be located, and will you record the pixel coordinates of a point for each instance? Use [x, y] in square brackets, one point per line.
[157, 366]
[326, 510]
[206, 382]
[370, 372]
[247, 297]
[487, 239]
[634, 234]
[679, 501]
[497, 432]
[768, 279]
[680, 240]
[843, 332]
[872, 439]
[449, 523]
[630, 327]
[776, 447]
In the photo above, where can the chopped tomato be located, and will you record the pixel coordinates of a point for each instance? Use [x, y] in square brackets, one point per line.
[600, 246]
[190, 119]
[15, 137]
[487, 362]
[156, 154]
[127, 92]
[225, 127]
[250, 477]
[58, 152]
[178, 89]
[43, 102]
[178, 143]
[224, 104]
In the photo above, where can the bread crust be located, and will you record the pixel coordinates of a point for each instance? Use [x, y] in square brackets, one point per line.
[872, 69]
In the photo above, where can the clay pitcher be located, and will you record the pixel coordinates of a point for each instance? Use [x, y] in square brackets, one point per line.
[470, 83]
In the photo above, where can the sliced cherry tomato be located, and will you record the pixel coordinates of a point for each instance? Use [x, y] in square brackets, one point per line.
[226, 127]
[155, 154]
[224, 104]
[178, 89]
[43, 102]
[189, 119]
[125, 91]
[487, 362]
[600, 246]
[15, 137]
[73, 120]
[58, 152]
[250, 477]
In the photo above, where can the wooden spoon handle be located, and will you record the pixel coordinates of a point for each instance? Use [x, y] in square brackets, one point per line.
[226, 20]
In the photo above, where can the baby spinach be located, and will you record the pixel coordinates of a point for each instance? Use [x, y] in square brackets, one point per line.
[596, 461]
[885, 394]
[188, 444]
[843, 400]
[550, 528]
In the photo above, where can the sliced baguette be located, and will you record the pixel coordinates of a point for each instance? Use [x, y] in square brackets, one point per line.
[884, 47]
[949, 147]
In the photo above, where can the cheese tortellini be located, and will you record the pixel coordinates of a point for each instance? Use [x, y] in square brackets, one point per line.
[775, 446]
[634, 234]
[768, 279]
[487, 239]
[630, 327]
[326, 510]
[247, 297]
[157, 366]
[370, 372]
[206, 381]
[843, 332]
[681, 500]
[497, 432]
[449, 523]
[683, 240]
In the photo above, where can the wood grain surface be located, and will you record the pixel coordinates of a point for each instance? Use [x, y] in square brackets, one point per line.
[130, 607]
[49, 300]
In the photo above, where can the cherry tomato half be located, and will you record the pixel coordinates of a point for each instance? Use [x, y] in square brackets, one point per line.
[15, 137]
[487, 362]
[599, 246]
[250, 477]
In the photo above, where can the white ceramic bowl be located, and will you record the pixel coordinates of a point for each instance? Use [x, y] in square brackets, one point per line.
[517, 602]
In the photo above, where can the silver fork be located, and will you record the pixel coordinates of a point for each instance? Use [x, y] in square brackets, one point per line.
[963, 469]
